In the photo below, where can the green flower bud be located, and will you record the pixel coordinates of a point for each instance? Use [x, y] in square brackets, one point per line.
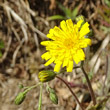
[54, 98]
[80, 17]
[46, 75]
[21, 86]
[20, 98]
[52, 95]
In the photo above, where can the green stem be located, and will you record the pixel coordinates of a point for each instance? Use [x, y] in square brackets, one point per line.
[40, 98]
[89, 86]
[71, 91]
[32, 87]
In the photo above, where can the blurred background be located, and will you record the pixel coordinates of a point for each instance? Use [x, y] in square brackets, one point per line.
[24, 24]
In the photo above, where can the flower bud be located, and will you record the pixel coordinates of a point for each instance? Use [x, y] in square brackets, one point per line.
[80, 17]
[45, 76]
[52, 95]
[54, 98]
[21, 86]
[20, 98]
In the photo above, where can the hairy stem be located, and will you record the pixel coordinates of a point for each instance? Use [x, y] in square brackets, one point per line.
[71, 91]
[89, 86]
[40, 98]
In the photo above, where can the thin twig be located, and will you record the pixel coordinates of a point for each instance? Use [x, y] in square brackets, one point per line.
[42, 35]
[17, 18]
[26, 6]
[16, 34]
[15, 15]
[106, 74]
[16, 51]
[106, 82]
[71, 92]
[89, 86]
[25, 33]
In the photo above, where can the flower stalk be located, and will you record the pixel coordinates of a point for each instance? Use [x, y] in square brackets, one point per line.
[71, 91]
[40, 98]
[89, 86]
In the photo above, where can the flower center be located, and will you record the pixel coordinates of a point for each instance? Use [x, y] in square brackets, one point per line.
[69, 43]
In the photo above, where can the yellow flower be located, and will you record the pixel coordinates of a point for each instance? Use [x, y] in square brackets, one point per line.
[66, 44]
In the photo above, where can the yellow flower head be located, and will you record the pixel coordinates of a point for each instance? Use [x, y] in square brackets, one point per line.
[46, 75]
[66, 44]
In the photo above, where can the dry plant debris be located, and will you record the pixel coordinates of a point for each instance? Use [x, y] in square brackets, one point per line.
[23, 25]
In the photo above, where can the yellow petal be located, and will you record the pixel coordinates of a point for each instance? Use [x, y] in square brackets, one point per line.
[84, 30]
[50, 36]
[51, 31]
[69, 24]
[46, 56]
[70, 66]
[64, 26]
[65, 62]
[57, 66]
[58, 33]
[49, 61]
[45, 43]
[84, 43]
[79, 23]
[81, 54]
[76, 59]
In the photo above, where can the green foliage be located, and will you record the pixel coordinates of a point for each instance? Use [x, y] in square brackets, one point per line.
[21, 86]
[55, 17]
[68, 14]
[1, 47]
[0, 54]
[107, 2]
[1, 44]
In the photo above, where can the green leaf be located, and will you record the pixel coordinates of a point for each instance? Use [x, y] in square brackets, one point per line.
[1, 44]
[56, 17]
[66, 11]
[61, 7]
[107, 2]
[0, 54]
[74, 13]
